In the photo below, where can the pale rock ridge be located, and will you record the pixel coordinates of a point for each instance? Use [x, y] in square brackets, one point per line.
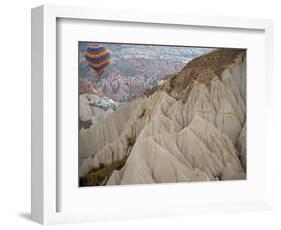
[159, 124]
[85, 110]
[99, 114]
[106, 131]
[198, 103]
[198, 155]
[180, 157]
[175, 113]
[141, 167]
[238, 73]
[144, 121]
[221, 105]
[93, 113]
[93, 107]
[231, 84]
[216, 142]
[227, 121]
[220, 93]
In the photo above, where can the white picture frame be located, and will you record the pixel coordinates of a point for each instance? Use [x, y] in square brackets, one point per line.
[45, 166]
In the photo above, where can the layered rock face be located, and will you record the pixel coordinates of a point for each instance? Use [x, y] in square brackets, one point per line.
[193, 128]
[121, 87]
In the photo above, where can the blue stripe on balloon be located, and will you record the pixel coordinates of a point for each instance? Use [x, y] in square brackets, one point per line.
[96, 50]
[98, 69]
[98, 60]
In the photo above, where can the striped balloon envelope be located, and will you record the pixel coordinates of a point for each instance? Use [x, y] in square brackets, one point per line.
[98, 57]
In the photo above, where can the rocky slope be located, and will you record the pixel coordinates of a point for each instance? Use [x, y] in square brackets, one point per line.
[120, 88]
[94, 108]
[192, 128]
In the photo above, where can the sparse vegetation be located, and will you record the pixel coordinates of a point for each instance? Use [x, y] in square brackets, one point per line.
[85, 124]
[100, 176]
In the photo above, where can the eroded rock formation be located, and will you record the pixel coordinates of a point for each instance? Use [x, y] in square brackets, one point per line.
[192, 128]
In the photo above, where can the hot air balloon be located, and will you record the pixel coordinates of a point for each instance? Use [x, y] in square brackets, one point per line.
[98, 57]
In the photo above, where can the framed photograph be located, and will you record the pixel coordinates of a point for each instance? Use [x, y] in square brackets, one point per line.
[141, 114]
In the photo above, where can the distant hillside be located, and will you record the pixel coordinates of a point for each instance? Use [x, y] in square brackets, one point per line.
[135, 68]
